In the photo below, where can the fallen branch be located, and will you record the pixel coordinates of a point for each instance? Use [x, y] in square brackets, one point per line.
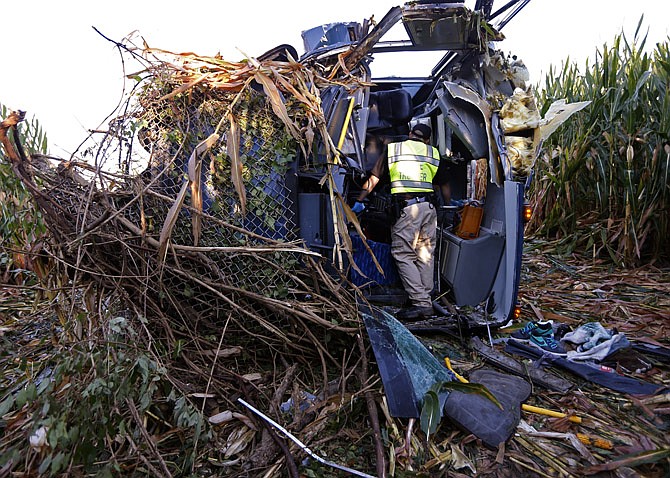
[302, 446]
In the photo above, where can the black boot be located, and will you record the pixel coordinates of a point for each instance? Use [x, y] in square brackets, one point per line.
[414, 313]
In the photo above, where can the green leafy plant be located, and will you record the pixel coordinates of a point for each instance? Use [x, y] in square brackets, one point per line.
[602, 185]
[21, 224]
[95, 401]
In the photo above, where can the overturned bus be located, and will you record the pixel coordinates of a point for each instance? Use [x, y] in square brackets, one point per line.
[367, 85]
[485, 125]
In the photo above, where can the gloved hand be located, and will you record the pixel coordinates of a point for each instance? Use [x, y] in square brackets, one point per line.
[358, 207]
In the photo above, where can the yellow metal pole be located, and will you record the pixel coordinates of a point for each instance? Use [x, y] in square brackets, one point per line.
[550, 413]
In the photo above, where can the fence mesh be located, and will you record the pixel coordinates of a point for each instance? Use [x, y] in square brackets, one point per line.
[186, 210]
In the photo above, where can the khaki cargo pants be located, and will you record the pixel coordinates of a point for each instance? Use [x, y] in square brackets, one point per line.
[412, 247]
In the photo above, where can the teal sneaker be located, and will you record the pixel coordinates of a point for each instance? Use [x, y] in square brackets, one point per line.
[547, 343]
[537, 328]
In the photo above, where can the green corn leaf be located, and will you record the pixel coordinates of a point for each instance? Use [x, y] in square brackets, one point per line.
[430, 413]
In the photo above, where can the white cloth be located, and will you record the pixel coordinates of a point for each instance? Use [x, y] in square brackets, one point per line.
[600, 351]
[588, 336]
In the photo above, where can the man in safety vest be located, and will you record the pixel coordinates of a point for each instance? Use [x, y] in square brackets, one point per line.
[412, 166]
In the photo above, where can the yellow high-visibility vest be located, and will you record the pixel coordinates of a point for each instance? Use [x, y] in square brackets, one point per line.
[412, 166]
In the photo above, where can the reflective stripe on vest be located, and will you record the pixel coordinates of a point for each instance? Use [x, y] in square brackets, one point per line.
[412, 166]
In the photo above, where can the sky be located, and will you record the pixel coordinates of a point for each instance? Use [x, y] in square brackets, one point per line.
[58, 69]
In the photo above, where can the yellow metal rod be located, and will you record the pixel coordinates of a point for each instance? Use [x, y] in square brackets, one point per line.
[550, 413]
[345, 125]
[459, 377]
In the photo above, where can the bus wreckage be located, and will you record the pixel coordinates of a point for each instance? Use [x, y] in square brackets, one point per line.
[485, 125]
[253, 168]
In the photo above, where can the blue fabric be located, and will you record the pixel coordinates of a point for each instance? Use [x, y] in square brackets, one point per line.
[613, 381]
[358, 207]
[364, 261]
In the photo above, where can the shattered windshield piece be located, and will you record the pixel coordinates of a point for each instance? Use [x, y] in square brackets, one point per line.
[407, 368]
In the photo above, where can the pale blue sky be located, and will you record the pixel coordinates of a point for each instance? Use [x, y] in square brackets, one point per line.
[57, 68]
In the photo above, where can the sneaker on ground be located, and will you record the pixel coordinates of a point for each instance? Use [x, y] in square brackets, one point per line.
[547, 343]
[537, 328]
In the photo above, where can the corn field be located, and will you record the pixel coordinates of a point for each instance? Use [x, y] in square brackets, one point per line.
[601, 186]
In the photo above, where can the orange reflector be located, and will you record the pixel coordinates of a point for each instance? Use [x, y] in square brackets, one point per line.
[527, 212]
[517, 312]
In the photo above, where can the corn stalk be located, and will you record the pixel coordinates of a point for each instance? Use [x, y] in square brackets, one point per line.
[602, 185]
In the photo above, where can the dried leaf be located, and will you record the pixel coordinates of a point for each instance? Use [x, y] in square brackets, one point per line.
[246, 420]
[173, 213]
[229, 352]
[238, 441]
[185, 87]
[236, 166]
[194, 178]
[196, 201]
[170, 221]
[222, 417]
[637, 459]
[201, 395]
[460, 460]
[277, 102]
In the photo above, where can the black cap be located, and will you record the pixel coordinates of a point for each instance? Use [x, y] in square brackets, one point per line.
[421, 130]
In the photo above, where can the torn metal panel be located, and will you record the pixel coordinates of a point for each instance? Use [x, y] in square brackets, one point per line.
[558, 113]
[470, 120]
[465, 119]
[447, 26]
